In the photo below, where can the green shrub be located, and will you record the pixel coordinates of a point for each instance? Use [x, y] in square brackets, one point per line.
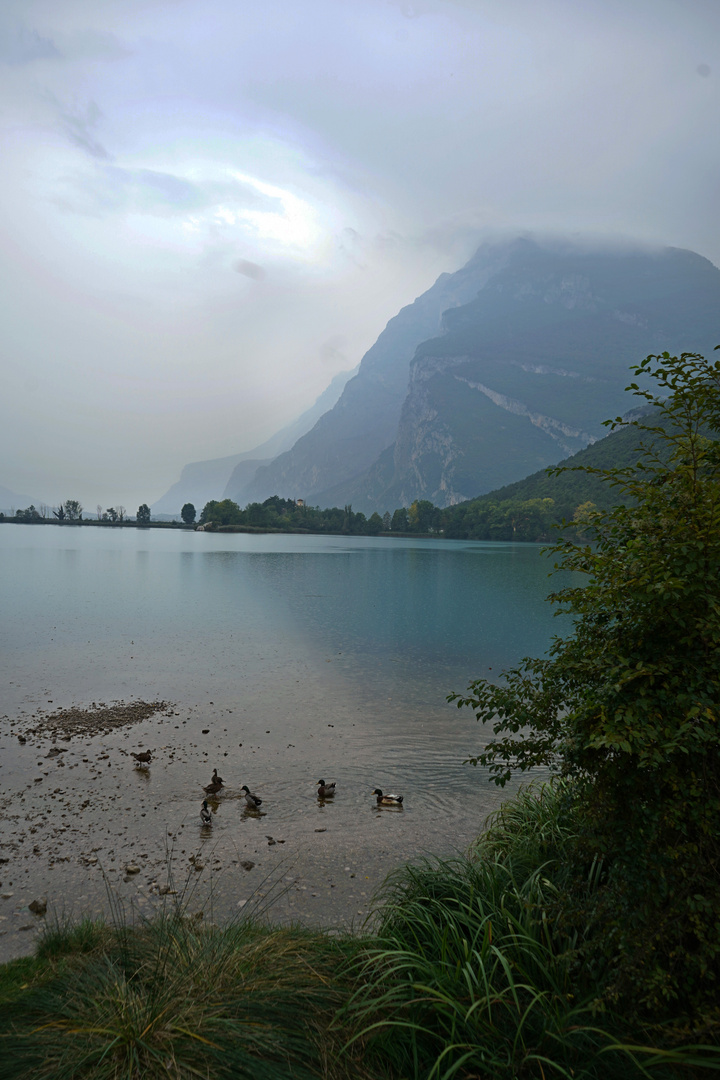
[628, 707]
[473, 976]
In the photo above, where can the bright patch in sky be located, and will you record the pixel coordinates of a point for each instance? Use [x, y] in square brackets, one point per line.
[295, 225]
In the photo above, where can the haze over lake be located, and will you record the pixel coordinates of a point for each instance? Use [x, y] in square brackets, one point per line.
[299, 656]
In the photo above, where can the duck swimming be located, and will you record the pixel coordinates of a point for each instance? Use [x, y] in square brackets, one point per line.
[324, 790]
[387, 800]
[212, 789]
[252, 800]
[205, 815]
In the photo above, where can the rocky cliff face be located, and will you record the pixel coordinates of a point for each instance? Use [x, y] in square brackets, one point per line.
[500, 369]
[524, 374]
[347, 440]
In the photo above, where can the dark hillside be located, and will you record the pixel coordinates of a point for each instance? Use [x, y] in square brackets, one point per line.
[524, 373]
[570, 488]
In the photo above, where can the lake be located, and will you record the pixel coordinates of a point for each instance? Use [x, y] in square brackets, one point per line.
[285, 659]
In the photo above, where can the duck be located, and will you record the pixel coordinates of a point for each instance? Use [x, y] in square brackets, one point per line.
[213, 788]
[142, 759]
[205, 815]
[216, 779]
[324, 790]
[252, 800]
[387, 800]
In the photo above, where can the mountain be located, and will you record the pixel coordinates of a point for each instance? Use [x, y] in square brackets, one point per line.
[10, 501]
[500, 369]
[569, 489]
[224, 477]
[244, 471]
[348, 438]
[522, 374]
[531, 509]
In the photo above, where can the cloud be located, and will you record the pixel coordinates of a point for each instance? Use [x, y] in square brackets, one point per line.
[112, 188]
[23, 44]
[78, 126]
[414, 9]
[20, 45]
[250, 269]
[91, 45]
[352, 245]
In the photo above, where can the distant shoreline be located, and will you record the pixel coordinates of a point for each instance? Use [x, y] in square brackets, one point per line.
[257, 529]
[4, 520]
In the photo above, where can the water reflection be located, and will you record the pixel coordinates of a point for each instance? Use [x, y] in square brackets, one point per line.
[289, 659]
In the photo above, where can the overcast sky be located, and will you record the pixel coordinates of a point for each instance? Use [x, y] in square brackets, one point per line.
[208, 209]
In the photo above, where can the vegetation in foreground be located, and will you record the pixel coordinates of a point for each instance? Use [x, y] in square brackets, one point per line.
[470, 974]
[473, 973]
[171, 998]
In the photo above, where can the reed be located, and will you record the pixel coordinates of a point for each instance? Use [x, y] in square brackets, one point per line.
[470, 976]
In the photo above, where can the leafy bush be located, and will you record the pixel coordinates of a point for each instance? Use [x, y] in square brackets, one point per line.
[628, 706]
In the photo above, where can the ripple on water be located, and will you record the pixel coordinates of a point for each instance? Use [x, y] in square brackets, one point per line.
[287, 659]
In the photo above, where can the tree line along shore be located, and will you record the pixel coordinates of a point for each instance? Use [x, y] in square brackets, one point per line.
[529, 510]
[531, 520]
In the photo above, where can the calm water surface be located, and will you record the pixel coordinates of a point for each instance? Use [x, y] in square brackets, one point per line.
[301, 656]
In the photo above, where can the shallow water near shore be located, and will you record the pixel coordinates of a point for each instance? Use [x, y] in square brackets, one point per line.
[282, 659]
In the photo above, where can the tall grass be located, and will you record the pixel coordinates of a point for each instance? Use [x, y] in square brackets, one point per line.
[175, 999]
[470, 977]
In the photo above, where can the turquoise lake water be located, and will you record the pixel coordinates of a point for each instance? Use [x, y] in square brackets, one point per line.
[300, 656]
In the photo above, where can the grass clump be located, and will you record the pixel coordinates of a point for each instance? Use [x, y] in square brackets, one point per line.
[172, 998]
[61, 939]
[15, 977]
[473, 975]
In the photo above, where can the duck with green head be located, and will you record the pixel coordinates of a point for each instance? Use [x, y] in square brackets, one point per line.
[253, 802]
[387, 800]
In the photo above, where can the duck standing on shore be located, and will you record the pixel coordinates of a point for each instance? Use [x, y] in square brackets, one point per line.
[212, 788]
[387, 800]
[252, 800]
[325, 790]
[143, 759]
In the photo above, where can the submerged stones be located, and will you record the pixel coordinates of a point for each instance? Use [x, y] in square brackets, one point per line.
[97, 720]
